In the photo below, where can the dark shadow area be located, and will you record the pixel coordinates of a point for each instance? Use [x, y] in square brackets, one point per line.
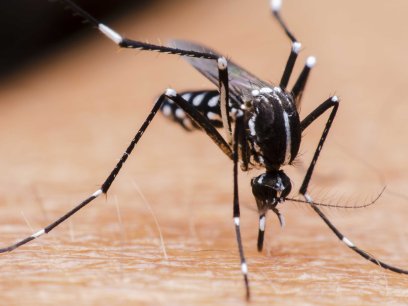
[30, 29]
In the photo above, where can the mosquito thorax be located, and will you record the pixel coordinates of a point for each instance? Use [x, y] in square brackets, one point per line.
[270, 188]
[273, 127]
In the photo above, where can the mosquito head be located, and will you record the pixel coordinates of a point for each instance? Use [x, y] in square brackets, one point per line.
[270, 188]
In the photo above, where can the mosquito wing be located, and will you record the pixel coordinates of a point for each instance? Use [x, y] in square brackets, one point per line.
[241, 82]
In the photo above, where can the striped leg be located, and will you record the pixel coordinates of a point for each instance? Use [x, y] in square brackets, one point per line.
[350, 244]
[333, 102]
[239, 129]
[299, 86]
[128, 43]
[297, 90]
[201, 120]
[276, 6]
[133, 44]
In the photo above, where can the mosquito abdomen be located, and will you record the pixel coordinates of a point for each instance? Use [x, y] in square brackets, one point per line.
[206, 102]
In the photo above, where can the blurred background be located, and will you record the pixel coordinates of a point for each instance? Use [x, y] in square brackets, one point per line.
[68, 112]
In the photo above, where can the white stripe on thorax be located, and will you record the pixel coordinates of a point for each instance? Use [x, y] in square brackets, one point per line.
[288, 137]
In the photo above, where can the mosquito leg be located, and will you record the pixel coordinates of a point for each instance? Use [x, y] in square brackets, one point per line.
[236, 210]
[276, 6]
[299, 86]
[333, 102]
[104, 187]
[224, 97]
[297, 90]
[349, 243]
[290, 64]
[133, 44]
[201, 120]
[128, 43]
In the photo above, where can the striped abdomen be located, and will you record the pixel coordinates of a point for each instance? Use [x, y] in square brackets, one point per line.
[206, 102]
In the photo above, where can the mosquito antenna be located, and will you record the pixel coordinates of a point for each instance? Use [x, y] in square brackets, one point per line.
[372, 202]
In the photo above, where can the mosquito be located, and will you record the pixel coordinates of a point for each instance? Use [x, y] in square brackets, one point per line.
[261, 124]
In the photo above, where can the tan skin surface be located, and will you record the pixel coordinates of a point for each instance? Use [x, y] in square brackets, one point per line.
[65, 122]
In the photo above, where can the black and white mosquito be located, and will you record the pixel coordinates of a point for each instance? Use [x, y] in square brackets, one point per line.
[261, 124]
